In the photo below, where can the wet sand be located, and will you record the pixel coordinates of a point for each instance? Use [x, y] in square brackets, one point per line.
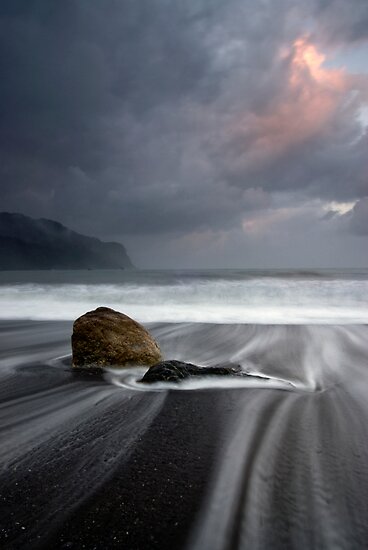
[95, 462]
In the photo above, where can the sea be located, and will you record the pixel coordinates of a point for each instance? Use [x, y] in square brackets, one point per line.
[274, 460]
[212, 296]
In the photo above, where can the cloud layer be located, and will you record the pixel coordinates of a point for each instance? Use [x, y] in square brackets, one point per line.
[198, 133]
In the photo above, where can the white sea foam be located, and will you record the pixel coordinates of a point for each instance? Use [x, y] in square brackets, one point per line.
[130, 378]
[214, 299]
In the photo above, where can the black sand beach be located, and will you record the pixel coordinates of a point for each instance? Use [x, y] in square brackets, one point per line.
[94, 462]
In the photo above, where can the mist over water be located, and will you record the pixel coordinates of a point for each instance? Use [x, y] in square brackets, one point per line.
[222, 296]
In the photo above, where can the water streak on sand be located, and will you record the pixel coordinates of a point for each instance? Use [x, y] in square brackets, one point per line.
[227, 466]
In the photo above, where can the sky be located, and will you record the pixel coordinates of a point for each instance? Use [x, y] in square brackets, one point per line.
[200, 134]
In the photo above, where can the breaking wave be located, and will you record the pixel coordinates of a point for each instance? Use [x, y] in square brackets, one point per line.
[224, 297]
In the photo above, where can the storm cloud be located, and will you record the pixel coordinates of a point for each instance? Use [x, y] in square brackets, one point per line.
[201, 133]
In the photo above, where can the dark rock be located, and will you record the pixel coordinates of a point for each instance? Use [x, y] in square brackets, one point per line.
[105, 337]
[174, 371]
[92, 372]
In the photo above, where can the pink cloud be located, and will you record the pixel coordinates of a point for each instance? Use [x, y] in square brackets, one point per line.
[312, 98]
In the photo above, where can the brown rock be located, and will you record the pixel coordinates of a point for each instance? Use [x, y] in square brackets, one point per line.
[105, 337]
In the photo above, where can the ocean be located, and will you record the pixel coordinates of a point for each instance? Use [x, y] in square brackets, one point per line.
[276, 461]
[214, 296]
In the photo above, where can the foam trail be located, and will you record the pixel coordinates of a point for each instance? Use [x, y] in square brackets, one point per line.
[227, 466]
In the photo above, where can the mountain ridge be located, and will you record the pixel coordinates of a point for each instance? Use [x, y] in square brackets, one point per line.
[29, 243]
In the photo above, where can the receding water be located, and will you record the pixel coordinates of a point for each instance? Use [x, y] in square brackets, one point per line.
[279, 462]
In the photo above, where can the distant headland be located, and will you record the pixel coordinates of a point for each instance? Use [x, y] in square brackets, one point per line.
[27, 243]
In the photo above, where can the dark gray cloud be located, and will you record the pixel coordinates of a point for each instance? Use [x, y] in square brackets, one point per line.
[176, 123]
[359, 217]
[342, 20]
[67, 68]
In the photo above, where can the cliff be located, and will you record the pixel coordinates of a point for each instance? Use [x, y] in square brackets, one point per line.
[26, 243]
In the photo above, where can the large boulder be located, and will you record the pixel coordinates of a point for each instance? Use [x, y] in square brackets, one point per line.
[107, 338]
